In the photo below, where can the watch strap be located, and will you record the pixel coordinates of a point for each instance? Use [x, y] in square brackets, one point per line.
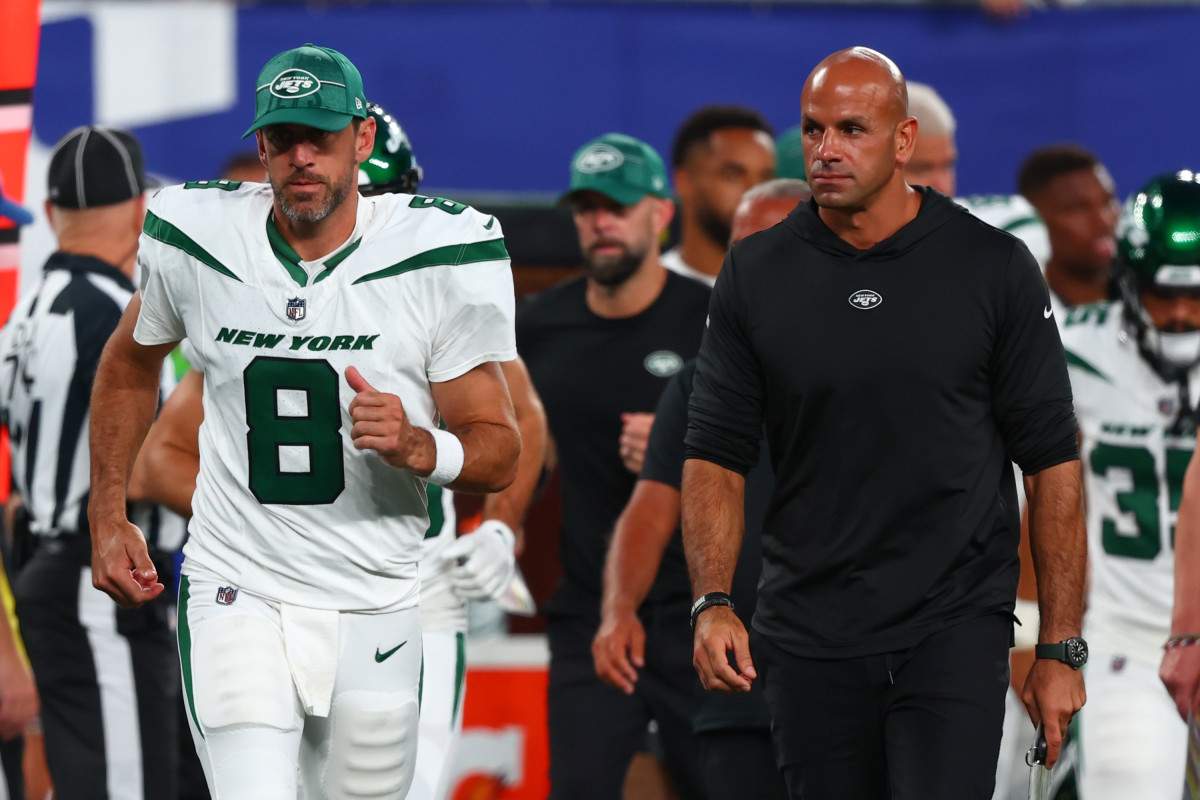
[1057, 651]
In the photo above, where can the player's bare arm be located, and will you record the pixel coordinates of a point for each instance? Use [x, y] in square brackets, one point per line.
[124, 399]
[166, 466]
[510, 505]
[1180, 669]
[713, 525]
[484, 560]
[475, 407]
[639, 539]
[1054, 691]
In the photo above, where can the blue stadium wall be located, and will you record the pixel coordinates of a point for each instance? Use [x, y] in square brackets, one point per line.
[496, 96]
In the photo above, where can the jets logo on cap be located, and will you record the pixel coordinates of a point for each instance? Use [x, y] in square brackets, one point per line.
[599, 158]
[295, 83]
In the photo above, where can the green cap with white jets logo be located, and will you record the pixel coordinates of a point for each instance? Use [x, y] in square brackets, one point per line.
[619, 167]
[310, 85]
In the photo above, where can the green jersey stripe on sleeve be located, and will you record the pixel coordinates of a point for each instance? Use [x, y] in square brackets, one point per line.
[1076, 361]
[158, 228]
[449, 256]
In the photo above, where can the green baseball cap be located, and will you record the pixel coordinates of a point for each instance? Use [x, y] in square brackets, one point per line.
[789, 154]
[310, 85]
[619, 167]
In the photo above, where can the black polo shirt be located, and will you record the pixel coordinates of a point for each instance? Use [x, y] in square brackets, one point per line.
[589, 370]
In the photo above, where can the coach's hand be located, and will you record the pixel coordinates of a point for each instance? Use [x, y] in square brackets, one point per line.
[379, 423]
[619, 648]
[719, 632]
[1180, 673]
[1053, 694]
[635, 437]
[121, 565]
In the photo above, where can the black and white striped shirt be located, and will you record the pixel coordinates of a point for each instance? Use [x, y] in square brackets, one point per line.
[49, 351]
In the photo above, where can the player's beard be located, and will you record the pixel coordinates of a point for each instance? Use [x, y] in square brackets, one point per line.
[334, 197]
[612, 270]
[715, 227]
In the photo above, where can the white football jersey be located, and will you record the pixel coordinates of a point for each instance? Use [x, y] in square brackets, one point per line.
[1134, 456]
[285, 506]
[442, 609]
[1013, 214]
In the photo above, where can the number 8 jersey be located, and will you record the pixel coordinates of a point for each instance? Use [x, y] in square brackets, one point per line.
[1136, 446]
[285, 506]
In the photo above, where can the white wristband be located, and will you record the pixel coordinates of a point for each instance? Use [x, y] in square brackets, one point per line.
[450, 457]
[1026, 634]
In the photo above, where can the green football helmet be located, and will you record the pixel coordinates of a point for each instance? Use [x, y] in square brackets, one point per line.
[789, 154]
[391, 167]
[1158, 250]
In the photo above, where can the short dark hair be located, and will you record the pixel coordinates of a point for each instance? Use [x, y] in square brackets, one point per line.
[237, 161]
[704, 121]
[1045, 164]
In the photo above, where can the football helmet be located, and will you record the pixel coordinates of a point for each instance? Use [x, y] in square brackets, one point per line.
[1158, 249]
[391, 167]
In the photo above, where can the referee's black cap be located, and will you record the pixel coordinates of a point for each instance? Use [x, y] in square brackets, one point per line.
[95, 166]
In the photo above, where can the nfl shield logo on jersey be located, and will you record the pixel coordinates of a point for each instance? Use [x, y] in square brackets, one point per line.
[226, 595]
[296, 308]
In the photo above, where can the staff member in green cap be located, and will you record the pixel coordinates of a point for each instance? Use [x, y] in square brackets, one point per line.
[600, 349]
[350, 348]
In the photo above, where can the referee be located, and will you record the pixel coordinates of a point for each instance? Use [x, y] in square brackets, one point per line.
[899, 352]
[108, 677]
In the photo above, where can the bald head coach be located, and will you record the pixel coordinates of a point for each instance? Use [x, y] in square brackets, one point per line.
[898, 353]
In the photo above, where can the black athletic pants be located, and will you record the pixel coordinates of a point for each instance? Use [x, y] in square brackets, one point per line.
[921, 724]
[108, 680]
[595, 729]
[739, 764]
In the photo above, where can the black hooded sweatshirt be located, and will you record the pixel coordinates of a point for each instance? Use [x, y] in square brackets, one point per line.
[896, 384]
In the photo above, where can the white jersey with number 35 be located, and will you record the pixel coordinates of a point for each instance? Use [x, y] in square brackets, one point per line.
[285, 506]
[1135, 450]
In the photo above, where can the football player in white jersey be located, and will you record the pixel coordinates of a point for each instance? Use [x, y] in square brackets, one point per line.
[299, 628]
[478, 565]
[1076, 198]
[1135, 375]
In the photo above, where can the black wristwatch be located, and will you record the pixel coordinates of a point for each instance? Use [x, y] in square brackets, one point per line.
[708, 601]
[1073, 652]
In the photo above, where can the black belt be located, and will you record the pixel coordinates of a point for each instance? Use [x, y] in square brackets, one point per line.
[78, 547]
[73, 546]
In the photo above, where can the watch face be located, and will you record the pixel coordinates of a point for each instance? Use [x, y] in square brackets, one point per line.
[1077, 651]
